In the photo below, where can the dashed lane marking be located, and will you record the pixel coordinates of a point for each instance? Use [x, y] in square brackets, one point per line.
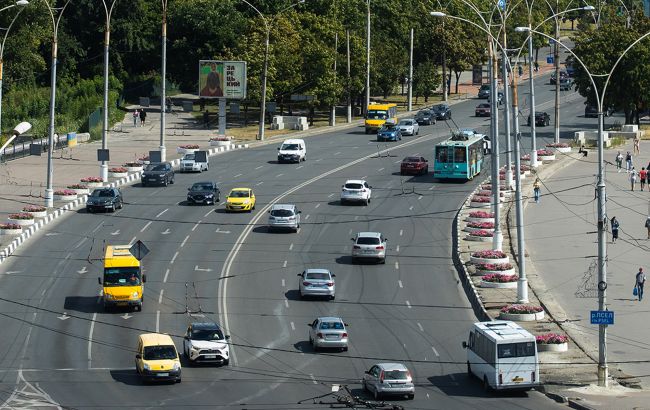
[284, 265]
[317, 205]
[196, 225]
[435, 351]
[237, 176]
[283, 283]
[420, 327]
[185, 240]
[161, 213]
[286, 303]
[293, 327]
[261, 166]
[408, 304]
[174, 258]
[144, 228]
[307, 217]
[401, 232]
[160, 296]
[291, 246]
[399, 282]
[397, 265]
[166, 275]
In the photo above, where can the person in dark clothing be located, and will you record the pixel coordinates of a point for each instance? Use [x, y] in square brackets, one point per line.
[639, 283]
[615, 226]
[143, 117]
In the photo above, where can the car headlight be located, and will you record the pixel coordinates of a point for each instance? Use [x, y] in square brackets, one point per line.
[134, 295]
[108, 296]
[194, 348]
[209, 195]
[177, 366]
[146, 367]
[246, 201]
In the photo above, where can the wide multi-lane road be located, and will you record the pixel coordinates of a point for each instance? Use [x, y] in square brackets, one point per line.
[57, 345]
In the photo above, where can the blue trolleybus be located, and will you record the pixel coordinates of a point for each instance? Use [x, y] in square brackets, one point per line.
[461, 156]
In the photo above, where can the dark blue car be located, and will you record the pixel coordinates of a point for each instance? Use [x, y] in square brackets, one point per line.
[389, 132]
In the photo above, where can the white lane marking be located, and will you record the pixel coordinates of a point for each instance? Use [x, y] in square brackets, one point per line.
[431, 188]
[397, 265]
[160, 296]
[43, 292]
[410, 208]
[206, 215]
[98, 227]
[219, 231]
[166, 232]
[144, 228]
[279, 175]
[259, 183]
[286, 303]
[398, 161]
[399, 282]
[307, 217]
[380, 169]
[81, 271]
[283, 284]
[196, 225]
[317, 205]
[197, 269]
[293, 327]
[173, 258]
[397, 248]
[160, 214]
[126, 316]
[356, 218]
[261, 166]
[185, 240]
[298, 167]
[237, 176]
[166, 274]
[291, 246]
[133, 240]
[90, 340]
[435, 351]
[115, 233]
[350, 232]
[408, 304]
[313, 379]
[284, 265]
[81, 242]
[420, 327]
[330, 195]
[337, 153]
[318, 160]
[222, 202]
[157, 321]
[401, 232]
[420, 197]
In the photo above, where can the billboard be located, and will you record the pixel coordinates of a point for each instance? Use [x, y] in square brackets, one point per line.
[219, 79]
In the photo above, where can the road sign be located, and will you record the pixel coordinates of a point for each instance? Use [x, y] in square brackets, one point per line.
[602, 317]
[549, 59]
[139, 250]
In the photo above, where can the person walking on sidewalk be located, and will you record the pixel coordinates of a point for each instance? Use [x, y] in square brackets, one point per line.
[633, 178]
[536, 189]
[647, 225]
[143, 117]
[643, 174]
[628, 162]
[615, 226]
[637, 145]
[639, 283]
[136, 117]
[619, 161]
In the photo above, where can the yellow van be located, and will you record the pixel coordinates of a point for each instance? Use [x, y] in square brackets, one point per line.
[123, 283]
[157, 358]
[377, 114]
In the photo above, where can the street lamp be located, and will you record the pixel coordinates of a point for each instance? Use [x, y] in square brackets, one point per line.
[600, 193]
[267, 26]
[163, 87]
[103, 168]
[21, 4]
[21, 128]
[49, 197]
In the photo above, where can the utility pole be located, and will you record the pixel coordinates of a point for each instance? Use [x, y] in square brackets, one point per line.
[497, 243]
[531, 84]
[163, 89]
[367, 57]
[506, 103]
[556, 60]
[347, 41]
[445, 92]
[602, 250]
[410, 80]
[336, 48]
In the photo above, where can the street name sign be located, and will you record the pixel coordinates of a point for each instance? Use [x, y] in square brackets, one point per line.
[602, 317]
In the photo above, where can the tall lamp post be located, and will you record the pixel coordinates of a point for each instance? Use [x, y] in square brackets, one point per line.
[21, 4]
[163, 85]
[267, 27]
[108, 9]
[367, 56]
[56, 19]
[601, 195]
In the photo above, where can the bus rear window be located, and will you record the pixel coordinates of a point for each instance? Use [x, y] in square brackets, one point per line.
[523, 349]
[441, 154]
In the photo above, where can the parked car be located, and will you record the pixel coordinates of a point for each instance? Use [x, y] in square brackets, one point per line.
[205, 192]
[159, 173]
[328, 332]
[563, 74]
[409, 127]
[441, 111]
[194, 162]
[389, 132]
[389, 379]
[284, 216]
[482, 110]
[425, 117]
[105, 199]
[484, 91]
[240, 199]
[566, 84]
[414, 165]
[318, 283]
[542, 119]
[356, 190]
[204, 342]
[369, 245]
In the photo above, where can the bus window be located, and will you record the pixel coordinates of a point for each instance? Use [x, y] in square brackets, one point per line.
[460, 154]
[523, 349]
[376, 115]
[441, 154]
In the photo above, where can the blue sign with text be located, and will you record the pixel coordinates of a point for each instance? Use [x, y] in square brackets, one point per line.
[602, 317]
[549, 59]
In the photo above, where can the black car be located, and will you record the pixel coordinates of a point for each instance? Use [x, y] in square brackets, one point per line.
[441, 111]
[206, 192]
[160, 173]
[542, 119]
[563, 74]
[105, 199]
[425, 117]
[591, 111]
[566, 84]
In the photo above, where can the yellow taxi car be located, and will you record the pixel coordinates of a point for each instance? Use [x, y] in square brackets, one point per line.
[240, 199]
[157, 358]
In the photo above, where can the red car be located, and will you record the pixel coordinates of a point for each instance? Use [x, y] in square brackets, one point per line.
[482, 110]
[414, 165]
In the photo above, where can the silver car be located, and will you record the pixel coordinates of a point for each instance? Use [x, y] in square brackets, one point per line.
[284, 216]
[409, 127]
[317, 282]
[356, 190]
[328, 332]
[369, 245]
[389, 379]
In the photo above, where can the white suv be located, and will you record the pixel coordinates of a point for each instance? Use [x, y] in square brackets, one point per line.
[206, 343]
[293, 150]
[356, 190]
[369, 245]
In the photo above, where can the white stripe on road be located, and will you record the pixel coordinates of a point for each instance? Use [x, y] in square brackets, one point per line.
[408, 304]
[293, 327]
[133, 240]
[307, 217]
[330, 195]
[284, 265]
[410, 208]
[173, 258]
[196, 225]
[261, 166]
[259, 183]
[313, 379]
[286, 303]
[185, 240]
[90, 340]
[237, 176]
[397, 265]
[317, 205]
[279, 175]
[146, 226]
[420, 327]
[420, 197]
[397, 248]
[291, 246]
[401, 231]
[160, 214]
[283, 284]
[206, 215]
[399, 282]
[160, 296]
[157, 321]
[380, 169]
[166, 274]
[435, 351]
[298, 167]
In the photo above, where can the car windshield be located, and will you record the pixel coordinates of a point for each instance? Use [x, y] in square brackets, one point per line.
[484, 106]
[411, 159]
[122, 276]
[290, 147]
[377, 115]
[156, 167]
[206, 334]
[239, 194]
[396, 375]
[317, 275]
[353, 185]
[367, 240]
[389, 127]
[281, 212]
[159, 353]
[406, 122]
[485, 87]
[439, 108]
[105, 193]
[331, 325]
[188, 156]
[201, 187]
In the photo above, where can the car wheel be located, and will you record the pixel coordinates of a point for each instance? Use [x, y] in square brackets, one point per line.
[178, 380]
[113, 207]
[226, 362]
[344, 349]
[375, 394]
[486, 385]
[165, 183]
[332, 297]
[411, 396]
[383, 261]
[121, 204]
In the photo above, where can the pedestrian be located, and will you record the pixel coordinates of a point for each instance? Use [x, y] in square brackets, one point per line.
[536, 188]
[628, 162]
[143, 117]
[647, 225]
[206, 119]
[136, 117]
[615, 226]
[619, 161]
[536, 66]
[633, 177]
[643, 175]
[637, 145]
[521, 70]
[639, 283]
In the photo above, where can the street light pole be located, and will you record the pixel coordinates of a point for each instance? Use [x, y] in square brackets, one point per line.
[367, 57]
[347, 42]
[556, 60]
[103, 168]
[497, 242]
[506, 111]
[49, 192]
[531, 86]
[410, 79]
[21, 4]
[163, 87]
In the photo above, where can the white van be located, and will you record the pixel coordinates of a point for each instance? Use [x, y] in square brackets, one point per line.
[293, 150]
[503, 355]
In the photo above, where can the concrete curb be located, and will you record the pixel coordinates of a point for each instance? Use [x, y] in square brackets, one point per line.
[77, 203]
[575, 404]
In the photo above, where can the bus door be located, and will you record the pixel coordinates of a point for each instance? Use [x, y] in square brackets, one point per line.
[460, 162]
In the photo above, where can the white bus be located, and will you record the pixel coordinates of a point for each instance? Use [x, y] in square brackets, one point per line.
[503, 355]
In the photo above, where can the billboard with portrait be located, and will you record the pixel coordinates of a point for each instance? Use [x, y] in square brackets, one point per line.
[219, 79]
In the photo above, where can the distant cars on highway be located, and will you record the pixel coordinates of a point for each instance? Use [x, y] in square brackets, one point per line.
[160, 173]
[482, 110]
[542, 119]
[240, 199]
[414, 165]
[317, 283]
[425, 117]
[441, 111]
[369, 245]
[328, 333]
[204, 193]
[105, 199]
[409, 127]
[356, 190]
[389, 132]
[284, 216]
[205, 342]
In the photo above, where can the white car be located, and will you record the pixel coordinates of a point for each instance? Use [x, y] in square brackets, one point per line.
[328, 332]
[369, 245]
[189, 163]
[293, 150]
[409, 127]
[206, 343]
[356, 190]
[317, 283]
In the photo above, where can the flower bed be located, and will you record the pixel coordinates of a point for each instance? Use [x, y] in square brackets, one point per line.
[480, 236]
[10, 229]
[499, 281]
[222, 140]
[523, 313]
[133, 166]
[118, 172]
[144, 160]
[479, 226]
[80, 189]
[92, 182]
[495, 269]
[37, 211]
[481, 214]
[545, 155]
[187, 148]
[552, 342]
[489, 256]
[65, 194]
[560, 146]
[22, 219]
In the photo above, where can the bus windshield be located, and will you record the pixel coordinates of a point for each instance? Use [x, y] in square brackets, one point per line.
[122, 276]
[441, 154]
[510, 350]
[377, 115]
[460, 155]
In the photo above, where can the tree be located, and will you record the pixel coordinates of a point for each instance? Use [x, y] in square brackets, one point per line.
[425, 80]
